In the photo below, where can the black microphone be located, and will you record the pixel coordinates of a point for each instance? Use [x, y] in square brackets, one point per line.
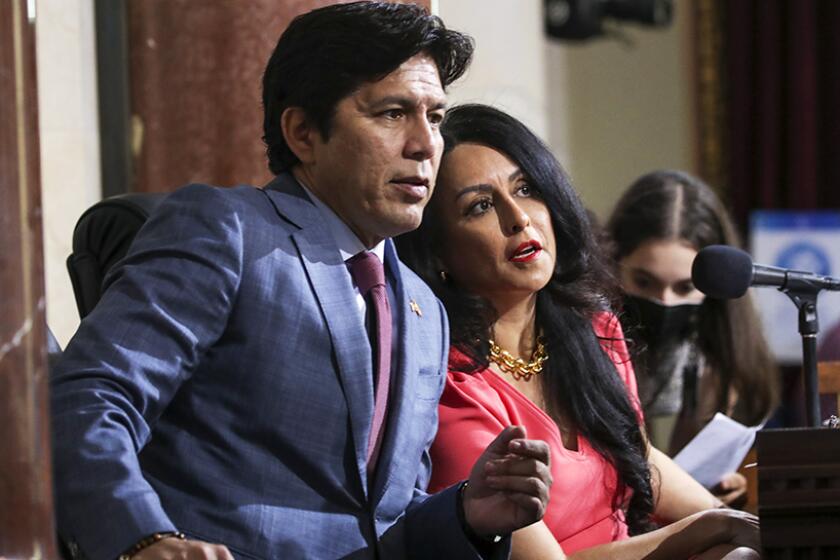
[724, 272]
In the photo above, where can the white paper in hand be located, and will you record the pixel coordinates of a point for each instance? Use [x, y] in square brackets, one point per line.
[717, 450]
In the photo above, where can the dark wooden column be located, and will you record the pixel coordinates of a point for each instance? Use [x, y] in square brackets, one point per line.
[26, 517]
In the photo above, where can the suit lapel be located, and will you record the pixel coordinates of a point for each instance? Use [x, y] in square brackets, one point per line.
[290, 201]
[334, 290]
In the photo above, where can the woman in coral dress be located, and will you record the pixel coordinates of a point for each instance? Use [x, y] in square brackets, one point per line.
[506, 245]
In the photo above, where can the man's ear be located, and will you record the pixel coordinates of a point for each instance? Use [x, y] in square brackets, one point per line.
[299, 134]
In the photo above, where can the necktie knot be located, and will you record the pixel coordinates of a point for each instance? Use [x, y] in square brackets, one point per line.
[367, 271]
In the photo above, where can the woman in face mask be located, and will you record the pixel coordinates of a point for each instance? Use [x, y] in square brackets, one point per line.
[694, 355]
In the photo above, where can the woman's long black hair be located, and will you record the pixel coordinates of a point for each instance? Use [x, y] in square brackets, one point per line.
[580, 384]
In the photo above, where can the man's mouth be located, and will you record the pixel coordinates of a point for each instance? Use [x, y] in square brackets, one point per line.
[526, 252]
[414, 186]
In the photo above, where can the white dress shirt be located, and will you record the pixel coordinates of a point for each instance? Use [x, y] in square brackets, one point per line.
[347, 241]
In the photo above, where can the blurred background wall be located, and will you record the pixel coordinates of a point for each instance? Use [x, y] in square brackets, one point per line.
[611, 107]
[69, 129]
[623, 108]
[146, 95]
[610, 110]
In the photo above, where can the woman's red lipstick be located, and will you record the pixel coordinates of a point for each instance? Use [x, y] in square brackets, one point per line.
[526, 252]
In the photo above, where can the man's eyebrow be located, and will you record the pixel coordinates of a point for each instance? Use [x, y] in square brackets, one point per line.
[482, 187]
[405, 102]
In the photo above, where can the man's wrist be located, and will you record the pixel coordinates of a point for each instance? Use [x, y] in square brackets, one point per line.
[479, 541]
[149, 541]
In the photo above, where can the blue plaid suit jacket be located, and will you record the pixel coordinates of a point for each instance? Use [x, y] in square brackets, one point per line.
[223, 387]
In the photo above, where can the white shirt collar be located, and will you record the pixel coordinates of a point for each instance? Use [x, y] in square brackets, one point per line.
[346, 241]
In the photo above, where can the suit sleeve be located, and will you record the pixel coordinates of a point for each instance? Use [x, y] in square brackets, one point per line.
[164, 305]
[432, 526]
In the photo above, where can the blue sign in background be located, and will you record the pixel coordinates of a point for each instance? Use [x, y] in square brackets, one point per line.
[788, 220]
[808, 241]
[805, 255]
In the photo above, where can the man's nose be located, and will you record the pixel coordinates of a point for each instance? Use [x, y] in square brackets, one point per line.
[422, 139]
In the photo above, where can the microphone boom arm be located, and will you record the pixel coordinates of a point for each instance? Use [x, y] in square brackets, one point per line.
[795, 280]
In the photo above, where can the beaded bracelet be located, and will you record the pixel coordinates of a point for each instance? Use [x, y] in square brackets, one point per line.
[149, 541]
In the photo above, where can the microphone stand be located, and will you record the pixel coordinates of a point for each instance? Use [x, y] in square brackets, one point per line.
[796, 465]
[806, 303]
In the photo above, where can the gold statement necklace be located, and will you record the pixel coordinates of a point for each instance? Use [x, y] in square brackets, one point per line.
[517, 367]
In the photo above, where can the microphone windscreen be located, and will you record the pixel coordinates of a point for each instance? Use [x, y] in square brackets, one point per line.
[722, 272]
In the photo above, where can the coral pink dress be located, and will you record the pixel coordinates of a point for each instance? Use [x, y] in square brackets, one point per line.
[475, 407]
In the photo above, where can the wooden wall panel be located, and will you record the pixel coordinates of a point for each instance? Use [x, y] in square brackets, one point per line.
[26, 519]
[195, 77]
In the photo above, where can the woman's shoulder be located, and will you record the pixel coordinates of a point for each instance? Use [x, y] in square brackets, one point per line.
[465, 374]
[461, 362]
[469, 385]
[607, 328]
[606, 325]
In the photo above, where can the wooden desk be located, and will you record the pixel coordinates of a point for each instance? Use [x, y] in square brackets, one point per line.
[799, 493]
[829, 383]
[751, 474]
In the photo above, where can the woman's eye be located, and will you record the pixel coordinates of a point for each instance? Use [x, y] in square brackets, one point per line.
[524, 190]
[479, 207]
[684, 288]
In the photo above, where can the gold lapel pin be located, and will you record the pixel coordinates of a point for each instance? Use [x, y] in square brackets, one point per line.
[415, 308]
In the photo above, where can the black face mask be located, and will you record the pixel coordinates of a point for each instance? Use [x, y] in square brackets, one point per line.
[657, 323]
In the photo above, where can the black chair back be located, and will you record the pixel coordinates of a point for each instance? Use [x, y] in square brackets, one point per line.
[101, 238]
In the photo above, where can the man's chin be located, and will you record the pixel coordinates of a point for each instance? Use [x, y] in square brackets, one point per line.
[406, 221]
[403, 228]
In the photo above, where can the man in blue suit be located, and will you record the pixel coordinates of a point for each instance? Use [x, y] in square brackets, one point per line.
[238, 384]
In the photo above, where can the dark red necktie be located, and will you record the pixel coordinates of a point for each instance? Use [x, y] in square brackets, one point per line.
[369, 275]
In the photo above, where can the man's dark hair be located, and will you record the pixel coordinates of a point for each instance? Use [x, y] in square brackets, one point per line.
[328, 53]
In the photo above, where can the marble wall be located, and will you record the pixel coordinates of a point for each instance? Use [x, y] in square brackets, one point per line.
[26, 522]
